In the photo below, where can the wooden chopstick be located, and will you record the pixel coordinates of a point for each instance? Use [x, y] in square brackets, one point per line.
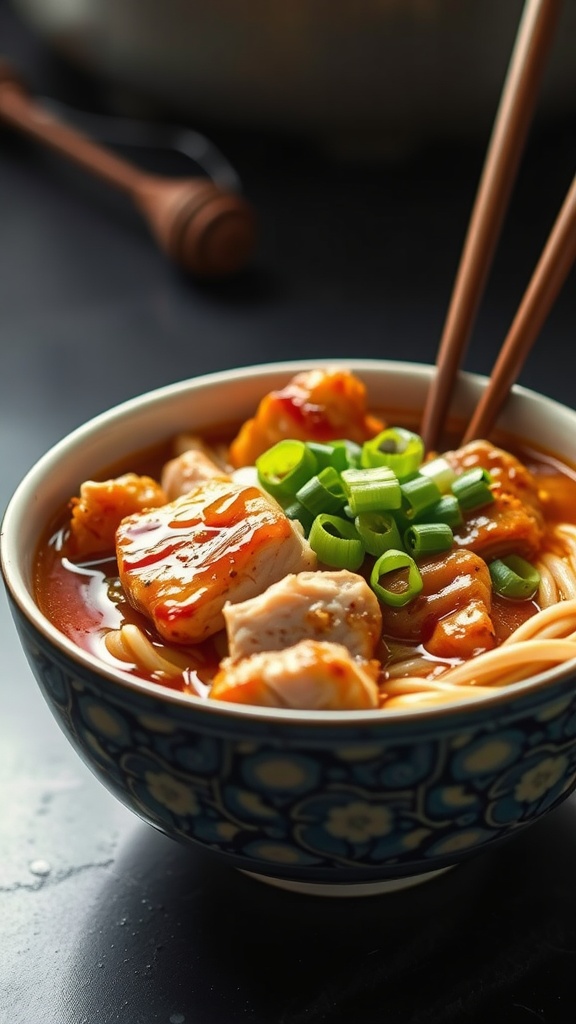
[510, 129]
[554, 265]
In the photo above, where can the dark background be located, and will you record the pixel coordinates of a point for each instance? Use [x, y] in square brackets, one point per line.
[101, 918]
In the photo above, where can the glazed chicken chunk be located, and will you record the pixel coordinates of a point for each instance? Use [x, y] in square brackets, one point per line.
[222, 542]
[313, 674]
[334, 606]
[514, 522]
[318, 405]
[451, 615]
[101, 506]
[188, 470]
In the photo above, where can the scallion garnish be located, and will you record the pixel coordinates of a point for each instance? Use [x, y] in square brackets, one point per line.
[348, 451]
[379, 532]
[296, 510]
[403, 586]
[445, 510]
[323, 453]
[323, 492]
[422, 539]
[400, 449]
[340, 454]
[380, 499]
[336, 542]
[285, 467]
[371, 490]
[439, 470]
[418, 494]
[514, 577]
[472, 488]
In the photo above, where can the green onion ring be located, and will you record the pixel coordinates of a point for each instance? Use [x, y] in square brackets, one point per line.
[389, 562]
[336, 542]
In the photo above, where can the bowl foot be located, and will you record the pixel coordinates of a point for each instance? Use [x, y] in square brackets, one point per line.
[347, 888]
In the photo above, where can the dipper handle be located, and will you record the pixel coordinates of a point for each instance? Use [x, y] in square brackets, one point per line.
[207, 231]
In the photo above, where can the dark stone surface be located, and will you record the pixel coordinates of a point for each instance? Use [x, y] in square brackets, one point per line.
[101, 919]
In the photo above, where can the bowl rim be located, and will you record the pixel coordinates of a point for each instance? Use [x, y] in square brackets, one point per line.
[23, 600]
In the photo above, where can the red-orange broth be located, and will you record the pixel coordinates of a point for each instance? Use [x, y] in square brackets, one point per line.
[86, 600]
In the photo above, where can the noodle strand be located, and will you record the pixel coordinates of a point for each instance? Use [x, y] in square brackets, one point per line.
[487, 668]
[130, 644]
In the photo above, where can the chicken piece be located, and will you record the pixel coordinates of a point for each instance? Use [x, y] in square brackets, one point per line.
[450, 616]
[313, 674]
[463, 633]
[101, 506]
[222, 542]
[508, 473]
[316, 405]
[506, 527]
[216, 451]
[334, 606]
[514, 522]
[187, 471]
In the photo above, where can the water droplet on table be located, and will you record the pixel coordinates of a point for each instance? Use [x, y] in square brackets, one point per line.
[40, 867]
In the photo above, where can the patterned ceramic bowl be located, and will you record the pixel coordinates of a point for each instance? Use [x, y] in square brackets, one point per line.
[344, 802]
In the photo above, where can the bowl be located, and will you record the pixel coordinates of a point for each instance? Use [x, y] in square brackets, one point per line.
[331, 802]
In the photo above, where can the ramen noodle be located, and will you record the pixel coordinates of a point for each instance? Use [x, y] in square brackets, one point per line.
[318, 558]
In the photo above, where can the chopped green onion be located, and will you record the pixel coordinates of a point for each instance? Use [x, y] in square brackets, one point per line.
[285, 467]
[418, 494]
[472, 488]
[346, 453]
[440, 471]
[336, 542]
[379, 532]
[514, 577]
[445, 510]
[371, 490]
[323, 492]
[323, 453]
[341, 454]
[400, 449]
[296, 510]
[389, 563]
[423, 539]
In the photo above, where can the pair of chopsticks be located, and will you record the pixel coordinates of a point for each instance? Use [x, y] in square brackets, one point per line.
[506, 144]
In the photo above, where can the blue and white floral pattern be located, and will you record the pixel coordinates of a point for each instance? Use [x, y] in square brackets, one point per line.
[345, 802]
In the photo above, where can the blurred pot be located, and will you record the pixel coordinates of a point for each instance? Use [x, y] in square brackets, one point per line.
[384, 74]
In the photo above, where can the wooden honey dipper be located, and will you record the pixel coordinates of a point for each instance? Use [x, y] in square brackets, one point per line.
[207, 231]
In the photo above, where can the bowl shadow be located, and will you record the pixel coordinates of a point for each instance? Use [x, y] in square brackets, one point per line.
[183, 937]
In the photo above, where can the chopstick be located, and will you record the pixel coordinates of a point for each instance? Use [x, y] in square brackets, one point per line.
[554, 265]
[510, 129]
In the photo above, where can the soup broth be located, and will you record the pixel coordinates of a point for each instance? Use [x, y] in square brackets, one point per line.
[85, 598]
